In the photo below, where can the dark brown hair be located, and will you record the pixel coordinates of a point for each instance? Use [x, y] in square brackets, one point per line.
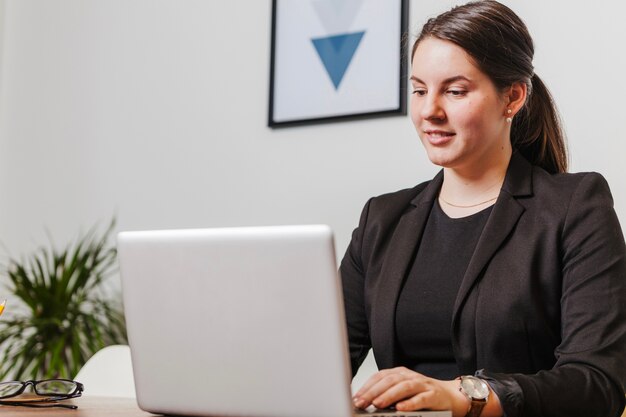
[500, 45]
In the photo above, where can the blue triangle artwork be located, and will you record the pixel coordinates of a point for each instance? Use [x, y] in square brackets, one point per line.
[336, 53]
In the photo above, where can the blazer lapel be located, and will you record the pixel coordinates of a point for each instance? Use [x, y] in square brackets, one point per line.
[506, 212]
[406, 237]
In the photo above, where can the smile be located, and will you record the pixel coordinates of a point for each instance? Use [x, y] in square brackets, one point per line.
[438, 137]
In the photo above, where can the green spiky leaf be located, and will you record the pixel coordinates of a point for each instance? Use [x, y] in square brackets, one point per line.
[67, 318]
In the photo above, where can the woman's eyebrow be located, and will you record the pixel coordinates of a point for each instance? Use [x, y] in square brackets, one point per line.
[446, 81]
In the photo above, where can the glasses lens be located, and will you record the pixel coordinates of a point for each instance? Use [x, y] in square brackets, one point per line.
[55, 387]
[8, 389]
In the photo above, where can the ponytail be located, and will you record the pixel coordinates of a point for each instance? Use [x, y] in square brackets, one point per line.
[536, 131]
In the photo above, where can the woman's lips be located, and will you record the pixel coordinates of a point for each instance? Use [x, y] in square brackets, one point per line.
[438, 137]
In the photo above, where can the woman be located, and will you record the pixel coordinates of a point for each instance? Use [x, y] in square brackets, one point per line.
[503, 269]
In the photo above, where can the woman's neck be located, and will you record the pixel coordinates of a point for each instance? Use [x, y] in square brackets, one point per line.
[465, 192]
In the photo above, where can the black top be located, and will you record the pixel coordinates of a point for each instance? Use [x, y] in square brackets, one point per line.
[424, 309]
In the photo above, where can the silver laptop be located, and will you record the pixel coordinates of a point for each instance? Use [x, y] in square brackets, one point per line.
[237, 322]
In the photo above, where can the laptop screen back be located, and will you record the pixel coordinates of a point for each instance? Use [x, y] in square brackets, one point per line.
[236, 321]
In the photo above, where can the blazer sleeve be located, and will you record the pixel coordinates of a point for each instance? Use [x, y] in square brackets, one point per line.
[352, 277]
[589, 375]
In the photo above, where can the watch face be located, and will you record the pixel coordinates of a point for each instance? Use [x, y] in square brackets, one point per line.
[476, 388]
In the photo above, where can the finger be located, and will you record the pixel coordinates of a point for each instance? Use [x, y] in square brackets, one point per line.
[365, 398]
[373, 380]
[380, 382]
[400, 391]
[378, 376]
[421, 401]
[357, 398]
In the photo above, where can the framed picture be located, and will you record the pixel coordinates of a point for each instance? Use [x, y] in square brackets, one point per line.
[337, 59]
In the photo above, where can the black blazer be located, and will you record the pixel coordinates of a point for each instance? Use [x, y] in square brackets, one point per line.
[540, 312]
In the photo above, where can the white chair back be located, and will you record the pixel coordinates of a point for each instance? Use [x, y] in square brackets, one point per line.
[108, 373]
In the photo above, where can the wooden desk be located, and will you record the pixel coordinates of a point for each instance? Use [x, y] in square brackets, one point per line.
[87, 407]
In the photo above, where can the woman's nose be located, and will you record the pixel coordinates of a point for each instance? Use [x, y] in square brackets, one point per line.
[431, 108]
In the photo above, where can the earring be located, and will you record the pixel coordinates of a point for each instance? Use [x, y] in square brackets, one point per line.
[509, 119]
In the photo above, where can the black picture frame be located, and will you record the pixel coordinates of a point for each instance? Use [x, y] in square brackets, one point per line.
[320, 73]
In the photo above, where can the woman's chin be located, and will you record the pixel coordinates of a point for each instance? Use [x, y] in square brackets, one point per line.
[444, 161]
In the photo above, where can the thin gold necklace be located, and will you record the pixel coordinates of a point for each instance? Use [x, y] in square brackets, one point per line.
[470, 206]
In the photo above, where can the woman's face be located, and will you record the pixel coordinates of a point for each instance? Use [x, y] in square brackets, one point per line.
[459, 114]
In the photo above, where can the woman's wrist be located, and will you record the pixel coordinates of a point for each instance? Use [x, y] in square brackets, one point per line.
[460, 403]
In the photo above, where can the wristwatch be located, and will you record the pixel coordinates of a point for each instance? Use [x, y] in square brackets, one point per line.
[477, 391]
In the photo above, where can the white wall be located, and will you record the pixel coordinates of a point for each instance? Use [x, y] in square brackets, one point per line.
[155, 110]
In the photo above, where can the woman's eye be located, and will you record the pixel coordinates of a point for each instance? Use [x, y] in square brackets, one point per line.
[419, 91]
[457, 93]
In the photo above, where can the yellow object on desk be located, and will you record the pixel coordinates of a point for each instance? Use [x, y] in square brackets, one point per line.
[2, 306]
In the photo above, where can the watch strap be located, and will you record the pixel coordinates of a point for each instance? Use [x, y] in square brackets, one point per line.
[476, 407]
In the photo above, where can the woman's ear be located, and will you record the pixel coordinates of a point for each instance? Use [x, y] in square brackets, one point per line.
[516, 97]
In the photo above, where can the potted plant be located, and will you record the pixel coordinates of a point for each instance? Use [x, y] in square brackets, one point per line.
[59, 314]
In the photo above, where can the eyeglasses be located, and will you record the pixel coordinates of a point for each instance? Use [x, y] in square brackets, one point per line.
[49, 391]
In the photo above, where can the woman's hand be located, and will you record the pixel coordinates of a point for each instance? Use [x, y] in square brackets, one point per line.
[408, 390]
